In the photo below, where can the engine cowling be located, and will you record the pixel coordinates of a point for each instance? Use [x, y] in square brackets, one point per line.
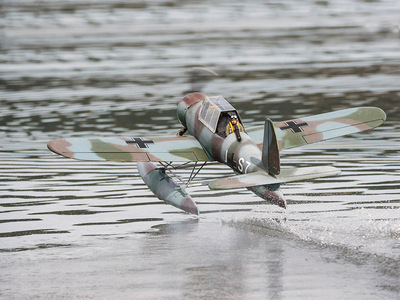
[185, 103]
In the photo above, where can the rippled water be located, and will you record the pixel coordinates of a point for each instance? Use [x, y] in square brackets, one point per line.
[72, 229]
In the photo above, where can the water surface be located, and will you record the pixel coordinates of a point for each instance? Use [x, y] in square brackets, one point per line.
[72, 229]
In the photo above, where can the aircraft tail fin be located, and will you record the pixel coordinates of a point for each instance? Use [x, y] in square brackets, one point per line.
[270, 151]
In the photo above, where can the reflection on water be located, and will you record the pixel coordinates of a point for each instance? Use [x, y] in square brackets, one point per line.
[80, 68]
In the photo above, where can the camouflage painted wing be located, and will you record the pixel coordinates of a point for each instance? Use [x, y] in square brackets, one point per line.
[312, 129]
[171, 149]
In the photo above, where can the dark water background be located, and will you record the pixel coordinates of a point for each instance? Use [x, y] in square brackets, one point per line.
[74, 230]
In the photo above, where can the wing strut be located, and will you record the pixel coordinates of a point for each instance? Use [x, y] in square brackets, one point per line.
[169, 166]
[193, 175]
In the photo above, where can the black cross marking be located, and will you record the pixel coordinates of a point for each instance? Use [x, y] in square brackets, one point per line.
[293, 126]
[140, 143]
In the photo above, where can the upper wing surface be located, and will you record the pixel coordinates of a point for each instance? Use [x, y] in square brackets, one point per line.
[174, 149]
[312, 129]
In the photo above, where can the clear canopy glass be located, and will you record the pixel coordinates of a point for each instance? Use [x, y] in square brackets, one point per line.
[211, 110]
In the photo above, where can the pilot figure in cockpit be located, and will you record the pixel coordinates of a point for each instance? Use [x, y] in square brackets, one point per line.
[234, 127]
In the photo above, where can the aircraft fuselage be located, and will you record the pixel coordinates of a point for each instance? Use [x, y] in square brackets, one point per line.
[241, 156]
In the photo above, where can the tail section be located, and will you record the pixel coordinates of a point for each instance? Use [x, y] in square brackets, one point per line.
[270, 151]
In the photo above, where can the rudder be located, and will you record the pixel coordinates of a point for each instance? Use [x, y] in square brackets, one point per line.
[270, 151]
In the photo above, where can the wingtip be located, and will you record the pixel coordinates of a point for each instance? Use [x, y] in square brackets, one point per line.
[380, 113]
[375, 113]
[60, 147]
[51, 145]
[384, 116]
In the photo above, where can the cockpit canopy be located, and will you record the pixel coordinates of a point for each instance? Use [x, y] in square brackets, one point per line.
[212, 109]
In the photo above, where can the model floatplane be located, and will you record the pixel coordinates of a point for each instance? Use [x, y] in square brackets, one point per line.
[216, 134]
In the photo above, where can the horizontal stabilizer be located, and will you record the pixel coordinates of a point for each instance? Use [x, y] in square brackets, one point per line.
[263, 178]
